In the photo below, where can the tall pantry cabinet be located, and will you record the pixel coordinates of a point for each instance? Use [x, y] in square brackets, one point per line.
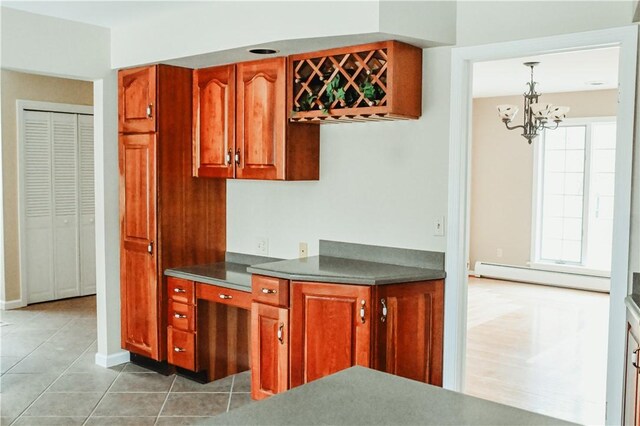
[167, 217]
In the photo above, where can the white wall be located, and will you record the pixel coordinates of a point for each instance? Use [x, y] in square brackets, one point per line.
[482, 22]
[56, 47]
[380, 183]
[51, 46]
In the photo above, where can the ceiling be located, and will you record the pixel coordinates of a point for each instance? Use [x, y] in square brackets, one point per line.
[107, 14]
[559, 72]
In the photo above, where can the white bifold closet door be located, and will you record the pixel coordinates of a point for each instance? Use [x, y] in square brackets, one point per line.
[58, 250]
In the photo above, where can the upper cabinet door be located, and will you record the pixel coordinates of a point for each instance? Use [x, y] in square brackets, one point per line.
[137, 100]
[261, 119]
[214, 91]
[330, 329]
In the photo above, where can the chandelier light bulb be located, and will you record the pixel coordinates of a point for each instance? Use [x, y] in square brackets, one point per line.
[507, 112]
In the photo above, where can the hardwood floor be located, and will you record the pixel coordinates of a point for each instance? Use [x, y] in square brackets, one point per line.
[543, 349]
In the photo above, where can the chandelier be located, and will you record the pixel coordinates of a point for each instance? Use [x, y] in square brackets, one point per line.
[536, 115]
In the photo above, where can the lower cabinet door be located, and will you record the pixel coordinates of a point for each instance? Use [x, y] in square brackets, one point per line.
[330, 329]
[181, 348]
[409, 330]
[269, 350]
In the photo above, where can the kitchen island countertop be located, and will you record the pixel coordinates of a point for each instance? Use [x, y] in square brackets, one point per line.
[360, 396]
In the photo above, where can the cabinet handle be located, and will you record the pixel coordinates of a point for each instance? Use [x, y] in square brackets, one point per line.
[225, 296]
[635, 363]
[177, 349]
[281, 333]
[179, 290]
[238, 157]
[149, 110]
[383, 318]
[362, 305]
[229, 157]
[177, 315]
[268, 291]
[150, 247]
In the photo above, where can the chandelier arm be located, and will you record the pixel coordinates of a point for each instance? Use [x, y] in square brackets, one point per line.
[551, 128]
[512, 127]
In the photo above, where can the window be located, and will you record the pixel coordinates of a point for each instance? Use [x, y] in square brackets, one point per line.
[574, 203]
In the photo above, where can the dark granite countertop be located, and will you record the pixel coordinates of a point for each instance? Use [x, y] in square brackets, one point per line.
[360, 396]
[232, 273]
[338, 262]
[347, 271]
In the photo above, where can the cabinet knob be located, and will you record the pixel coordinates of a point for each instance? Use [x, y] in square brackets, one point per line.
[177, 349]
[179, 290]
[362, 311]
[149, 110]
[635, 363]
[150, 247]
[238, 157]
[383, 318]
[281, 333]
[268, 291]
[225, 296]
[229, 157]
[177, 315]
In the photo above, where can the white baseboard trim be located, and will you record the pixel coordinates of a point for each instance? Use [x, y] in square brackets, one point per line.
[107, 361]
[6, 305]
[538, 276]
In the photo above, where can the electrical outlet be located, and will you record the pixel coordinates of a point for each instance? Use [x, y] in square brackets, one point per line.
[262, 246]
[499, 252]
[438, 226]
[303, 250]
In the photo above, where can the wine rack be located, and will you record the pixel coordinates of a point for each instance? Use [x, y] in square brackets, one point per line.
[377, 81]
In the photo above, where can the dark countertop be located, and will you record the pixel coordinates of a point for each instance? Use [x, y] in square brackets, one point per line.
[225, 274]
[360, 396]
[347, 271]
[232, 273]
[338, 262]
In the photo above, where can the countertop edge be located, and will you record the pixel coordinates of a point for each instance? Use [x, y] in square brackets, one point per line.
[633, 307]
[436, 275]
[206, 280]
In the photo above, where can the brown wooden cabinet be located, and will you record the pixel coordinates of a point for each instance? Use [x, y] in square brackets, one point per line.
[241, 128]
[269, 350]
[137, 100]
[214, 93]
[631, 407]
[156, 184]
[138, 234]
[376, 81]
[396, 328]
[330, 329]
[409, 327]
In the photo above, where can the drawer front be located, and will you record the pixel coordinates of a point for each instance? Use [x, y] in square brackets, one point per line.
[227, 296]
[182, 316]
[270, 290]
[181, 348]
[181, 290]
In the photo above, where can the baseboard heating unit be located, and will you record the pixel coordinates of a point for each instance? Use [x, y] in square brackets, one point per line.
[541, 276]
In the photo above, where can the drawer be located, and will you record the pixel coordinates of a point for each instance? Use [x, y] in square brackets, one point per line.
[270, 290]
[181, 290]
[227, 296]
[181, 348]
[182, 316]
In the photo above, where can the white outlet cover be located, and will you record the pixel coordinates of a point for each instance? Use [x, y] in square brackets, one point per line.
[438, 226]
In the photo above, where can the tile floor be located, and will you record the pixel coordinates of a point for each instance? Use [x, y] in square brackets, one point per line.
[49, 376]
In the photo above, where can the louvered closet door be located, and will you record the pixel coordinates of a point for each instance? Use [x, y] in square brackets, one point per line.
[87, 206]
[65, 202]
[37, 236]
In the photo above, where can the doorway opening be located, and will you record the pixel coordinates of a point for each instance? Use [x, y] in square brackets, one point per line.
[540, 242]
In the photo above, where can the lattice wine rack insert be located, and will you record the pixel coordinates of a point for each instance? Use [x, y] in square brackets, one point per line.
[376, 81]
